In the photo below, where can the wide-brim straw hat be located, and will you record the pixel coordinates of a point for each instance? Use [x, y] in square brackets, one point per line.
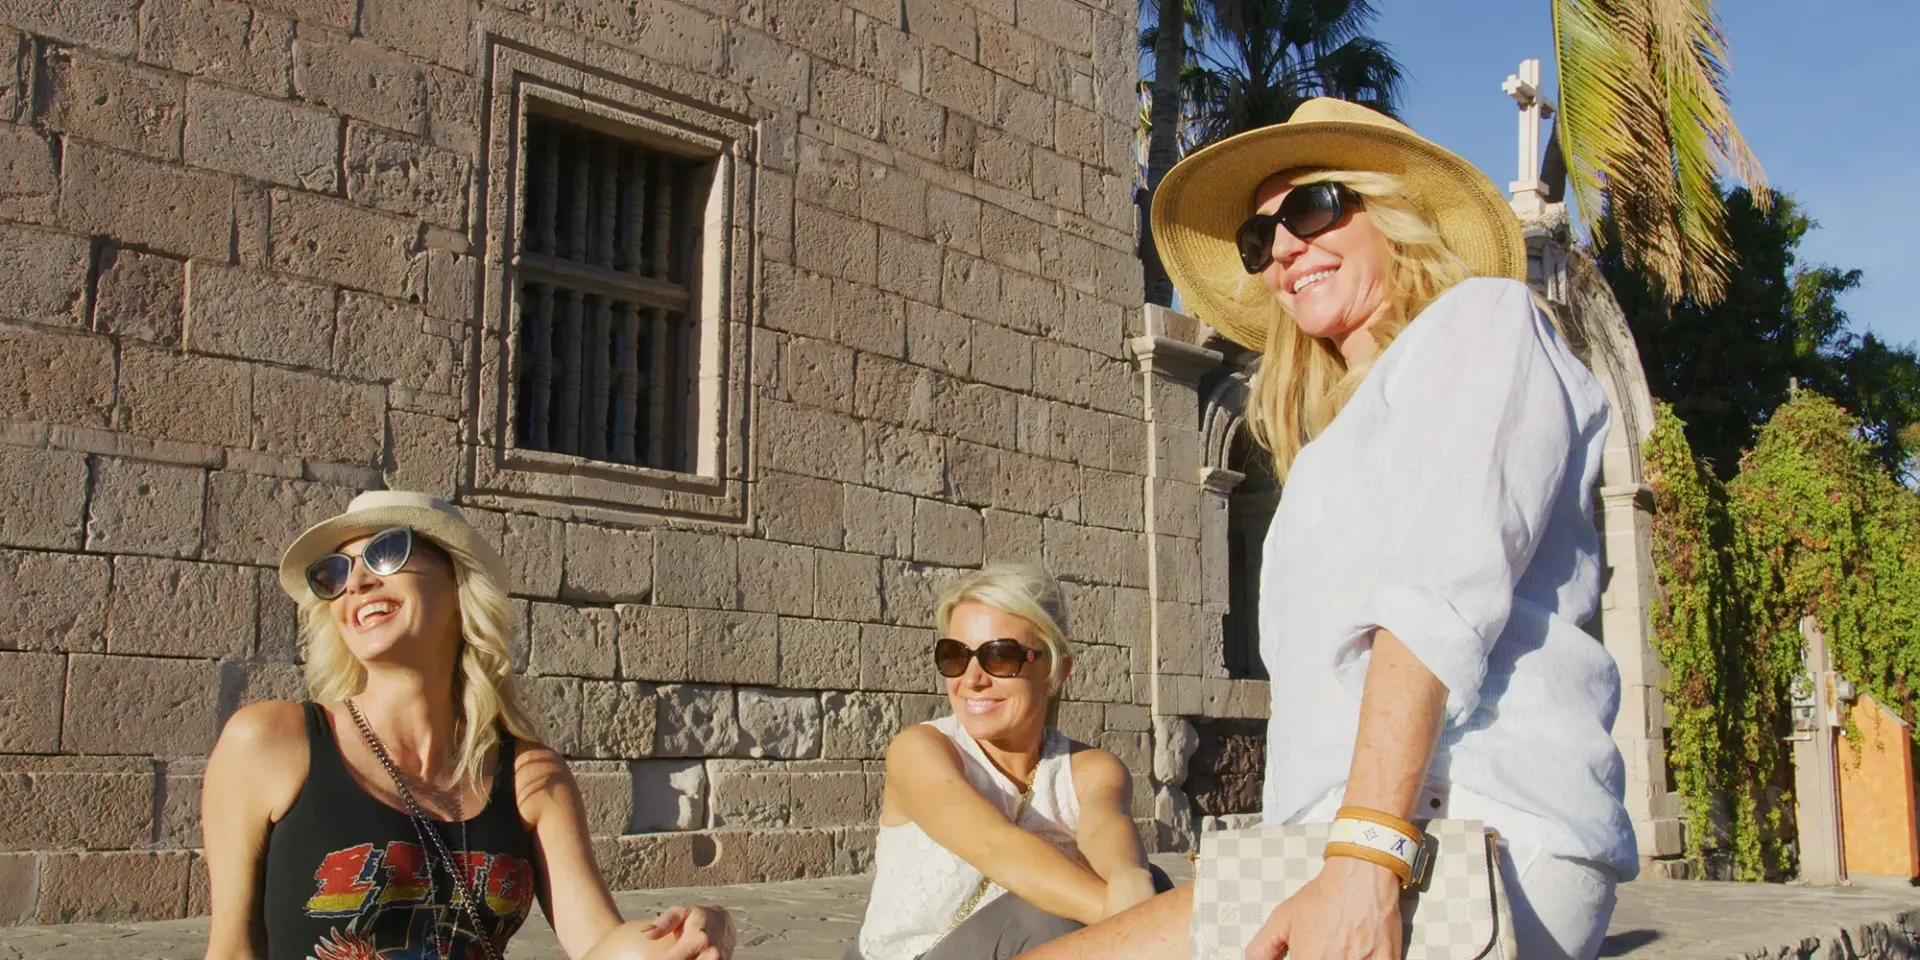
[377, 510]
[1203, 200]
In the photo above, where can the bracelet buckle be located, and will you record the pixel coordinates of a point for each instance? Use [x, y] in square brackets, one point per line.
[1422, 866]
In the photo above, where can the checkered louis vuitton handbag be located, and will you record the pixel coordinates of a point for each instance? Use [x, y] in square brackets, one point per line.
[1458, 912]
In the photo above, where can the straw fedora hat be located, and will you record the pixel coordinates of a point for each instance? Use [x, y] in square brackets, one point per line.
[1206, 197]
[376, 510]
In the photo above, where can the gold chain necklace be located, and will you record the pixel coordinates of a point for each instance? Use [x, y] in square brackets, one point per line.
[462, 899]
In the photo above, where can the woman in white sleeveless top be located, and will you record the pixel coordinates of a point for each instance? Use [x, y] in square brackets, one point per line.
[997, 833]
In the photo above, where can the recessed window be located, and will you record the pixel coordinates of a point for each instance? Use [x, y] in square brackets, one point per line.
[608, 351]
[1250, 509]
[615, 295]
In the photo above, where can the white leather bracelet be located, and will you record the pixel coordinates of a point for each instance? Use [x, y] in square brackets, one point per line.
[1376, 837]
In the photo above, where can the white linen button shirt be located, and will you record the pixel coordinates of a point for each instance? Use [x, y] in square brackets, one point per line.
[1449, 503]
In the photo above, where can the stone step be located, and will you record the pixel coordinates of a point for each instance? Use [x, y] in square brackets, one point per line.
[815, 919]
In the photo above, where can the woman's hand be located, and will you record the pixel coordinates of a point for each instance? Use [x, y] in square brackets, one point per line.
[705, 933]
[1127, 888]
[1351, 911]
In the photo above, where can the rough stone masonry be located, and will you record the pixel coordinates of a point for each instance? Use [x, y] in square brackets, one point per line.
[258, 256]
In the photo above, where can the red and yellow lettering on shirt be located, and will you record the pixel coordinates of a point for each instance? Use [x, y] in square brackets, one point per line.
[344, 879]
[509, 886]
[399, 875]
[473, 868]
[408, 881]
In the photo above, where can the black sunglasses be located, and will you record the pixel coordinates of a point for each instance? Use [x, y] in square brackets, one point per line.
[1307, 212]
[1004, 657]
[386, 552]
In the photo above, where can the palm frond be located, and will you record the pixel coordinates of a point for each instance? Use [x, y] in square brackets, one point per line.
[1327, 23]
[1647, 132]
[1361, 70]
[1269, 56]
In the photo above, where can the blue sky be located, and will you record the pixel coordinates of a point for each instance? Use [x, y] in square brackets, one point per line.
[1816, 89]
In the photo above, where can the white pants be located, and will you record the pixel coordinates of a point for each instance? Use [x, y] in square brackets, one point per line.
[1561, 906]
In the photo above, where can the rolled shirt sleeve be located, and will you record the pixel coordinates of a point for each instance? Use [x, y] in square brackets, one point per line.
[1460, 485]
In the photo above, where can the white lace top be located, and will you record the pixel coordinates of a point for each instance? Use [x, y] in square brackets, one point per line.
[918, 885]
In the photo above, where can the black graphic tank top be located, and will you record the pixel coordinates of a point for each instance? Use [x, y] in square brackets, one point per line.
[347, 879]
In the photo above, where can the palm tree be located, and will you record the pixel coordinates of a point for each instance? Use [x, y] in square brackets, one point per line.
[1253, 62]
[1646, 132]
[1644, 127]
[1163, 150]
[1263, 58]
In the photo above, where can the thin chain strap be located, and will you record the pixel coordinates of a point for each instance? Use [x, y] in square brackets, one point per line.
[973, 899]
[430, 840]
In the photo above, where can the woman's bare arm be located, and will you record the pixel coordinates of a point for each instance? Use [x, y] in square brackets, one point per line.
[571, 890]
[1106, 836]
[1400, 715]
[925, 782]
[1351, 911]
[573, 893]
[252, 778]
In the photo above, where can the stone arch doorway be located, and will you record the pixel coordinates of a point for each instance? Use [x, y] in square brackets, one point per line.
[1590, 318]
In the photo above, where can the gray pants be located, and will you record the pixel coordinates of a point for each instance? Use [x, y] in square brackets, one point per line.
[1005, 928]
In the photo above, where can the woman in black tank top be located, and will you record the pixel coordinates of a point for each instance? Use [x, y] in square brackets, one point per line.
[408, 812]
[347, 875]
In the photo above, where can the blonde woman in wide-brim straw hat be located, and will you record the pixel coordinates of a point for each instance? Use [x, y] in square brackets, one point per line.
[333, 827]
[1433, 555]
[1204, 199]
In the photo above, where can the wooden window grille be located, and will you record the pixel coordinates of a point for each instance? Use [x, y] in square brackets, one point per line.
[608, 340]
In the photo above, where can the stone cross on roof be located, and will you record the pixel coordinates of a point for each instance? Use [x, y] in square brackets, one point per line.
[1529, 193]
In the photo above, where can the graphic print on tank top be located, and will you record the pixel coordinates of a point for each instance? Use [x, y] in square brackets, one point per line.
[347, 877]
[364, 886]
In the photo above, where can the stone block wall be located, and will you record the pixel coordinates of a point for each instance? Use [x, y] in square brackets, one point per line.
[246, 270]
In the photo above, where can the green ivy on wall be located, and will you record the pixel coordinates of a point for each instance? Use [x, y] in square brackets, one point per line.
[1812, 526]
[1691, 535]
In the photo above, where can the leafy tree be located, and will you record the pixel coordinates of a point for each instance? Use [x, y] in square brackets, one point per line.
[1813, 526]
[1880, 383]
[1726, 364]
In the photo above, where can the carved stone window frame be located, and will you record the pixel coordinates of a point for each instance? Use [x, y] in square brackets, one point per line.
[1222, 418]
[1188, 438]
[524, 82]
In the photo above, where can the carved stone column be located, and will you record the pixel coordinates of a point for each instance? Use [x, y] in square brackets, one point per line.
[1626, 531]
[1176, 660]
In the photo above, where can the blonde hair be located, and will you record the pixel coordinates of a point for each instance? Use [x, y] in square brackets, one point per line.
[1024, 590]
[1303, 381]
[483, 685]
